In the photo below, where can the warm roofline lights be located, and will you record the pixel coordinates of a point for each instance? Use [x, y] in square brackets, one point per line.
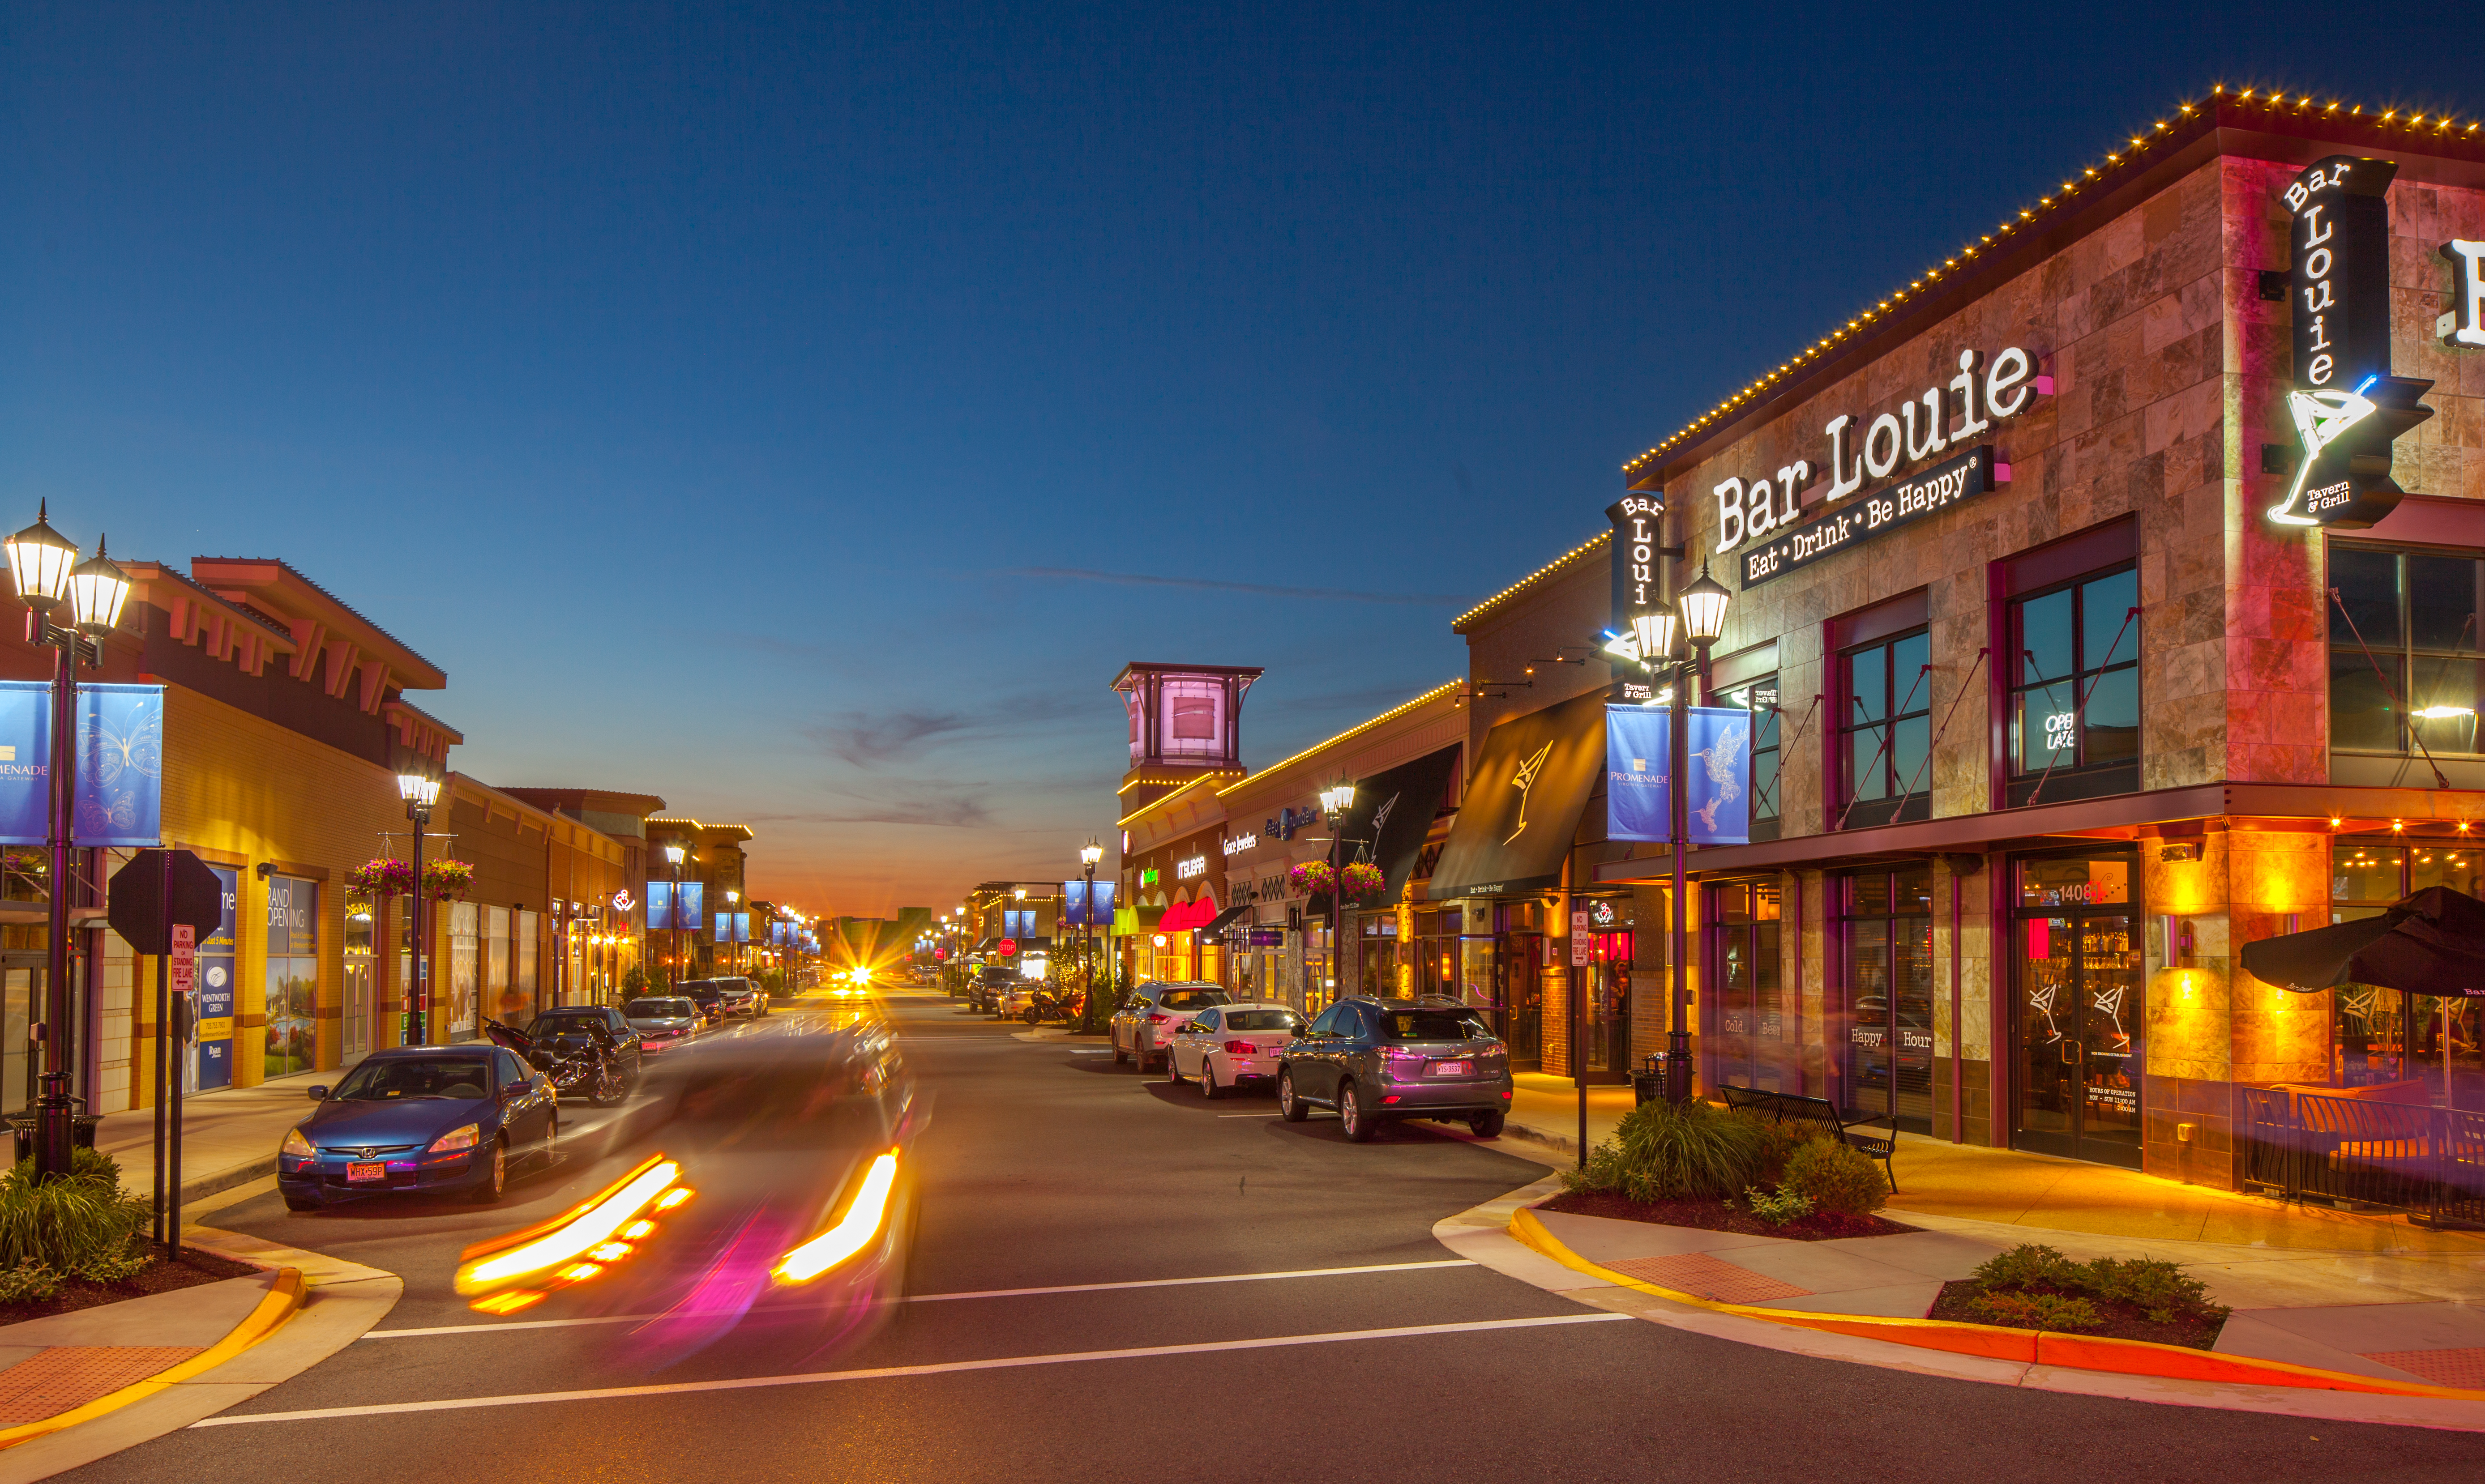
[2440, 125]
[1547, 570]
[1398, 710]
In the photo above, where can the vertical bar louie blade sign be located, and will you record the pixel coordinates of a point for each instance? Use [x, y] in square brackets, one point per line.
[2345, 404]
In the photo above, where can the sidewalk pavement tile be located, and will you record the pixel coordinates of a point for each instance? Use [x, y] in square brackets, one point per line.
[2372, 1328]
[2250, 1334]
[1897, 1301]
[62, 1378]
[226, 1135]
[2442, 1367]
[1939, 1254]
[1601, 1238]
[199, 1317]
[1816, 1267]
[1706, 1277]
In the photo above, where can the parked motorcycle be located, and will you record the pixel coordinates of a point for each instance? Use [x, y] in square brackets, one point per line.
[1051, 1004]
[576, 1062]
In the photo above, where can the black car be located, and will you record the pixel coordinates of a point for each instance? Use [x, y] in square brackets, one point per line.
[708, 995]
[986, 986]
[561, 1028]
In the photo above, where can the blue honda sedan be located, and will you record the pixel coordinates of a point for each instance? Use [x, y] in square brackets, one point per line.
[428, 1119]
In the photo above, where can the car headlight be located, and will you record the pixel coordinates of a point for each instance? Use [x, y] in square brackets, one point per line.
[853, 1232]
[296, 1146]
[457, 1139]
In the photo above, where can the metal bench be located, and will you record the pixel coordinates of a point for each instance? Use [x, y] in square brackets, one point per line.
[1794, 1107]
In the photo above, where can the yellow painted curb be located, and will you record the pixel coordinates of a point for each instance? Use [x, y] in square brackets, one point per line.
[283, 1299]
[2034, 1347]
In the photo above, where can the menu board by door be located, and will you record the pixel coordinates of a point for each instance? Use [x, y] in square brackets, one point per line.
[214, 1067]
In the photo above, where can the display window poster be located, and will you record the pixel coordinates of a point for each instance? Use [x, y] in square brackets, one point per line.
[217, 982]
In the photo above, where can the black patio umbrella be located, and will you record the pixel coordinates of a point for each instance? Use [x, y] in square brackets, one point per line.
[2432, 943]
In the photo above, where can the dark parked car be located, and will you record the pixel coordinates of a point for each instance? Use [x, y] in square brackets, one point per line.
[663, 1022]
[984, 990]
[422, 1119]
[566, 1027]
[708, 995]
[1374, 1060]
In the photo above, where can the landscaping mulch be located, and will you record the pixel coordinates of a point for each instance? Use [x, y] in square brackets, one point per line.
[2122, 1321]
[1719, 1216]
[193, 1268]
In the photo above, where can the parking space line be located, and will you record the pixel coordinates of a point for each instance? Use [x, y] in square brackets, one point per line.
[893, 1372]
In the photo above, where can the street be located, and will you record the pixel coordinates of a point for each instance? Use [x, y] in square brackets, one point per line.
[1072, 1206]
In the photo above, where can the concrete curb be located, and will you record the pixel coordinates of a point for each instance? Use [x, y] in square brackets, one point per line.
[283, 1299]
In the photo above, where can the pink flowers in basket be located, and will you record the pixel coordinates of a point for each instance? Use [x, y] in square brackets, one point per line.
[1363, 883]
[443, 880]
[1311, 878]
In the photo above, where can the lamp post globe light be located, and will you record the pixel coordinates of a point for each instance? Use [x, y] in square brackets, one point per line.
[48, 572]
[674, 858]
[1702, 619]
[1088, 855]
[421, 792]
[1335, 799]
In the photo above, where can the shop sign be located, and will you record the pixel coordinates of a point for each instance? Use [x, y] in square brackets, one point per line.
[1976, 399]
[1877, 513]
[1603, 915]
[2465, 324]
[1185, 870]
[1290, 819]
[1238, 844]
[1267, 937]
[1638, 521]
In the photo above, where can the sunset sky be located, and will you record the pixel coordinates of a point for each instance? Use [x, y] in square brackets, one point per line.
[802, 412]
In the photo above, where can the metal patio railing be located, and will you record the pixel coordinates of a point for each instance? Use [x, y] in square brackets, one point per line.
[2424, 1160]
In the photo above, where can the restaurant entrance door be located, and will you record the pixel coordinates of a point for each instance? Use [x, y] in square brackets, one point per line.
[2080, 1024]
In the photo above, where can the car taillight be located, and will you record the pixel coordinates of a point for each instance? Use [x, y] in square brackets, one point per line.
[1242, 1047]
[1157, 1018]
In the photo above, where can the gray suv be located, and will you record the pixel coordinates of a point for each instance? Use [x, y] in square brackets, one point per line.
[1373, 1060]
[1144, 1026]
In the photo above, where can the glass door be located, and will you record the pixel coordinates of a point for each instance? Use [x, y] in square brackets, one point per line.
[1609, 986]
[2080, 1028]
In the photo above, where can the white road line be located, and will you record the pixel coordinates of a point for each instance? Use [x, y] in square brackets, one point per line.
[939, 1298]
[889, 1372]
[1250, 1115]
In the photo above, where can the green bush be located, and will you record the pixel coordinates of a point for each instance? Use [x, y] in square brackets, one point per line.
[1661, 1152]
[1837, 1177]
[1780, 1208]
[1779, 1139]
[82, 1225]
[2035, 1311]
[2032, 1264]
[28, 1284]
[2156, 1287]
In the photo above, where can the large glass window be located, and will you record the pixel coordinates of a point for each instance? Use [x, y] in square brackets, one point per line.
[2406, 660]
[292, 964]
[1886, 1049]
[1753, 1041]
[2075, 689]
[2384, 1036]
[1761, 698]
[1885, 730]
[359, 988]
[465, 965]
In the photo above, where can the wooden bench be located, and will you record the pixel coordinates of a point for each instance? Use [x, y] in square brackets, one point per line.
[1794, 1107]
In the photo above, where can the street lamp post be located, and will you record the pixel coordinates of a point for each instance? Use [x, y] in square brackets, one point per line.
[47, 574]
[1701, 618]
[673, 857]
[1335, 800]
[420, 791]
[1088, 855]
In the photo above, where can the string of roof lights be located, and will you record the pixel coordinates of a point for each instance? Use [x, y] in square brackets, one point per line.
[1547, 570]
[2440, 125]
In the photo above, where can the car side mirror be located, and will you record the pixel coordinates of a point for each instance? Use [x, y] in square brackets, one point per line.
[319, 1095]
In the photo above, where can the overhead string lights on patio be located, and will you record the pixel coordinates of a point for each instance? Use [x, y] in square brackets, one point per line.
[2117, 162]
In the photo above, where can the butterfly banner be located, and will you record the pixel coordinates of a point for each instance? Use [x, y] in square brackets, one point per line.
[120, 764]
[1638, 788]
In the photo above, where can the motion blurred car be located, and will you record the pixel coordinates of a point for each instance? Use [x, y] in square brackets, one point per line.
[780, 1194]
[419, 1119]
[1227, 1045]
[1144, 1026]
[661, 1023]
[1377, 1060]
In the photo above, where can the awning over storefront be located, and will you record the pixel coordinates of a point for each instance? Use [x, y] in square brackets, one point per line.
[1127, 921]
[1402, 801]
[1523, 799]
[1226, 919]
[1184, 916]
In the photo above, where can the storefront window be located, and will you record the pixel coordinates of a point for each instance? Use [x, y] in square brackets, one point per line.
[292, 980]
[1754, 1038]
[465, 963]
[2075, 688]
[499, 997]
[1887, 1050]
[1761, 698]
[2409, 631]
[361, 922]
[2384, 1036]
[1885, 730]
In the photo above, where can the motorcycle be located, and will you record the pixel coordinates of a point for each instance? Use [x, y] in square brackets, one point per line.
[576, 1062]
[1051, 1004]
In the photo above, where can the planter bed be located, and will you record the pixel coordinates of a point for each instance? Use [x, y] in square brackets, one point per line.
[193, 1268]
[2122, 1321]
[1720, 1216]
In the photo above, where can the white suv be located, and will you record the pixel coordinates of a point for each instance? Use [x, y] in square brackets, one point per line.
[1145, 1024]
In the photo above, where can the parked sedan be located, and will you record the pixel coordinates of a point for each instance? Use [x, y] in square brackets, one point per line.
[1227, 1046]
[1144, 1026]
[419, 1119]
[1376, 1060]
[661, 1023]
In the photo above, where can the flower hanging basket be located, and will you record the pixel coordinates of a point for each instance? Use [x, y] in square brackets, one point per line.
[381, 877]
[1311, 878]
[448, 881]
[1363, 883]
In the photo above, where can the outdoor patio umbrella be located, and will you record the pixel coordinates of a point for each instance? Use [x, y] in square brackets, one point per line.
[2432, 943]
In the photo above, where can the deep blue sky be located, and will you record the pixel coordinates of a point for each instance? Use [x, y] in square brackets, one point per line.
[705, 386]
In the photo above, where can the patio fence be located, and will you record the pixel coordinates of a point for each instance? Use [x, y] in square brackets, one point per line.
[2428, 1161]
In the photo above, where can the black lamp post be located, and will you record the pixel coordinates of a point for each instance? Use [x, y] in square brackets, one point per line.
[420, 790]
[48, 573]
[1701, 618]
[1088, 855]
[1335, 800]
[673, 857]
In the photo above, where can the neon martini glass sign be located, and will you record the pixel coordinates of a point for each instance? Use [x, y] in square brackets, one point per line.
[2321, 419]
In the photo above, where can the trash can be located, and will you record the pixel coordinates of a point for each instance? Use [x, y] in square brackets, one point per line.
[81, 1132]
[1647, 1084]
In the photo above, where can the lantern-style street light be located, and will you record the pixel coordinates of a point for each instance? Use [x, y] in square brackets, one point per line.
[1702, 610]
[420, 790]
[1088, 855]
[48, 573]
[673, 857]
[1335, 800]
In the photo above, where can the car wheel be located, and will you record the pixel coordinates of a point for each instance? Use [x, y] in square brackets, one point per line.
[1173, 1067]
[301, 1204]
[1486, 1126]
[1350, 1112]
[1120, 1056]
[1207, 1087]
[497, 1179]
[1289, 1107]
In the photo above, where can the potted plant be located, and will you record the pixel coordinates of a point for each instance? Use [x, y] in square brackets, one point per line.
[1363, 883]
[448, 881]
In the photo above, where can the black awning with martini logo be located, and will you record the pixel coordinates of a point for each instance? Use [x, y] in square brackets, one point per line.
[1393, 811]
[1533, 776]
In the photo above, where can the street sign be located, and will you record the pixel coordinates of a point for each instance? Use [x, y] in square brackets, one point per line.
[136, 906]
[185, 966]
[1008, 947]
[1579, 950]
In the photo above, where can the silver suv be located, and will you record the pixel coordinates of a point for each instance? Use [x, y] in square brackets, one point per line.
[1376, 1060]
[1145, 1024]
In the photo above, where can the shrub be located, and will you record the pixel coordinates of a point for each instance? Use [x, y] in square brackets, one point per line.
[2158, 1288]
[2035, 1311]
[1779, 1139]
[78, 1224]
[1661, 1152]
[29, 1282]
[1777, 1209]
[1837, 1178]
[2030, 1265]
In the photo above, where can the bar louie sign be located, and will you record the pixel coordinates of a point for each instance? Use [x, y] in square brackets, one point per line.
[1942, 419]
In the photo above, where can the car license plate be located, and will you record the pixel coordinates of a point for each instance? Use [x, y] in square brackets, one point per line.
[358, 1172]
[1452, 1068]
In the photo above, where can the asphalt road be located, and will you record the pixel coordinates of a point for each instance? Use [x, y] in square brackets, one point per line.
[1047, 1167]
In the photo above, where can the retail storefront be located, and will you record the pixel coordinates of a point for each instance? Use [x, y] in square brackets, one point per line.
[2082, 639]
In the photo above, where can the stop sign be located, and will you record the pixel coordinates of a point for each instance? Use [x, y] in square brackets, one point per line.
[1008, 947]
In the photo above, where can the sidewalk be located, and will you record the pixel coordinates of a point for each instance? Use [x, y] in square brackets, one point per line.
[228, 1137]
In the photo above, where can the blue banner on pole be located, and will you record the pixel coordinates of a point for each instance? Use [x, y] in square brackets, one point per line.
[1638, 788]
[689, 904]
[660, 905]
[119, 757]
